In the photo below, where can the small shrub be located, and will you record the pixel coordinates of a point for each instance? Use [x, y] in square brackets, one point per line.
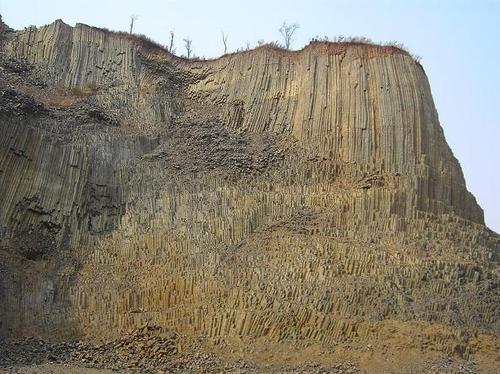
[64, 97]
[320, 39]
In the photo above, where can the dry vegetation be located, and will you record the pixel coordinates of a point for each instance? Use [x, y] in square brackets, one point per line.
[64, 97]
[336, 44]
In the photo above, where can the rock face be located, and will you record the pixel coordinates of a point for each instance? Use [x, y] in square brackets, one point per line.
[272, 196]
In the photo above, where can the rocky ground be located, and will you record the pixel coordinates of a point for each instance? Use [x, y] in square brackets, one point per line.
[150, 350]
[145, 350]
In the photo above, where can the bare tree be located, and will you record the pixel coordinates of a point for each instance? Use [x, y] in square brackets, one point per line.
[224, 41]
[247, 44]
[133, 18]
[287, 31]
[171, 48]
[188, 45]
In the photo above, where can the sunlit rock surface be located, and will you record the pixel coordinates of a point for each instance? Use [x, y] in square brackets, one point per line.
[267, 196]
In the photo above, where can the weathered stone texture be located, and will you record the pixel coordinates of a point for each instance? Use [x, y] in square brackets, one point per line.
[305, 196]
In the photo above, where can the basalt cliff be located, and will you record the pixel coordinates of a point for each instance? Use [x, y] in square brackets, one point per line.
[265, 201]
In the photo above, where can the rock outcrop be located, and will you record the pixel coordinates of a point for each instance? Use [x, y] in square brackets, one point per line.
[282, 197]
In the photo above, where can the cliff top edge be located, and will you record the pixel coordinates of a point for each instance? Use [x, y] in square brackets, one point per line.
[363, 46]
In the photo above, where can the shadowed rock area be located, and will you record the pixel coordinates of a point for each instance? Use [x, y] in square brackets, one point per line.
[269, 210]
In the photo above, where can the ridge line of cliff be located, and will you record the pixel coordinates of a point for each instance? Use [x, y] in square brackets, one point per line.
[367, 49]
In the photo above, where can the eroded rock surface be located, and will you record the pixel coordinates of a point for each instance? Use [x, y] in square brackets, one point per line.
[264, 198]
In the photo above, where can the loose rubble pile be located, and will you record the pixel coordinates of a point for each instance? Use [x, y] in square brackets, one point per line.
[16, 104]
[207, 146]
[147, 350]
[448, 366]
